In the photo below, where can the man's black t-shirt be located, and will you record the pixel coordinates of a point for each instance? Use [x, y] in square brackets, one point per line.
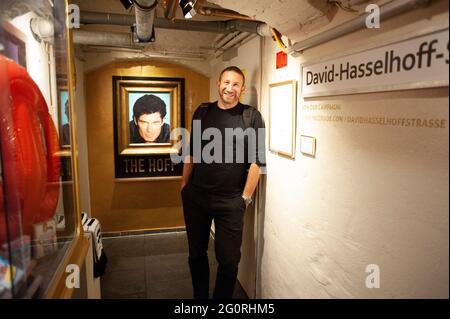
[224, 172]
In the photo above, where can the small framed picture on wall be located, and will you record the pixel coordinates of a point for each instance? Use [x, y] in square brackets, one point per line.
[12, 43]
[64, 117]
[282, 117]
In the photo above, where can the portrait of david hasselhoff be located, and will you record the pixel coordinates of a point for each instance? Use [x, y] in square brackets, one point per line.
[147, 125]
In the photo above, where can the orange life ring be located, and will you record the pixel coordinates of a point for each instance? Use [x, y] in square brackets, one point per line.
[29, 145]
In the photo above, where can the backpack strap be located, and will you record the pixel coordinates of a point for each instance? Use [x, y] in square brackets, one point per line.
[248, 116]
[200, 112]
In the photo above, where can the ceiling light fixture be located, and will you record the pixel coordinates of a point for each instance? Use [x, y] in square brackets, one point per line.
[127, 3]
[42, 29]
[187, 6]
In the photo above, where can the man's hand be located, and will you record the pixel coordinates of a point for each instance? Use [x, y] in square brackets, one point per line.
[252, 181]
[247, 200]
[187, 170]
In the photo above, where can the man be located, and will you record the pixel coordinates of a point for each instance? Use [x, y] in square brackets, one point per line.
[220, 190]
[148, 124]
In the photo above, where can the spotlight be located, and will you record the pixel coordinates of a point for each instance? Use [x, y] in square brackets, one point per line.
[127, 3]
[187, 6]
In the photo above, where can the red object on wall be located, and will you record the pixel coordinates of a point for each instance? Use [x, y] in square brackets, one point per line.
[29, 143]
[281, 60]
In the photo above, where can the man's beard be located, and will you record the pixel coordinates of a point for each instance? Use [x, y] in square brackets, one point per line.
[229, 99]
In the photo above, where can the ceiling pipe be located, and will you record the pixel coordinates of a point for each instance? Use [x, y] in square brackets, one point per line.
[387, 11]
[232, 44]
[145, 14]
[152, 54]
[100, 38]
[219, 38]
[218, 12]
[125, 40]
[239, 38]
[171, 10]
[227, 38]
[260, 28]
[190, 25]
[224, 13]
[89, 17]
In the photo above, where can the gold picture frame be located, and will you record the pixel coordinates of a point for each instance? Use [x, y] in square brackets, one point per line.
[282, 118]
[128, 91]
[146, 110]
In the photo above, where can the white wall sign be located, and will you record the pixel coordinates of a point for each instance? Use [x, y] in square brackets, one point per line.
[419, 62]
[308, 145]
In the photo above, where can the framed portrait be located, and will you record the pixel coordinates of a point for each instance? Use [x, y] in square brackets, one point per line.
[12, 42]
[282, 117]
[146, 109]
[63, 118]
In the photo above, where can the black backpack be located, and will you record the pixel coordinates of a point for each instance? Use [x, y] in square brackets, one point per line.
[248, 115]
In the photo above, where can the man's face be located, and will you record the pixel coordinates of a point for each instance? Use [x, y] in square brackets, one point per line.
[150, 126]
[231, 86]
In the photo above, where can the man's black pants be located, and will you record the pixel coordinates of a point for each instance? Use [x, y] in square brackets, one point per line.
[200, 208]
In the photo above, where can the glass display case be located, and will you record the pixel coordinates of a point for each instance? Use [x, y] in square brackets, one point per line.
[40, 232]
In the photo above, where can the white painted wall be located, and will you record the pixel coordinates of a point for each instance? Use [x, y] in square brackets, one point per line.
[372, 195]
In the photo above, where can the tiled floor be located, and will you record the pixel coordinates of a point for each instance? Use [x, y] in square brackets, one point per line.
[152, 266]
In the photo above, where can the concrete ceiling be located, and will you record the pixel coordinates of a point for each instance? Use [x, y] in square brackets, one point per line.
[293, 18]
[166, 40]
